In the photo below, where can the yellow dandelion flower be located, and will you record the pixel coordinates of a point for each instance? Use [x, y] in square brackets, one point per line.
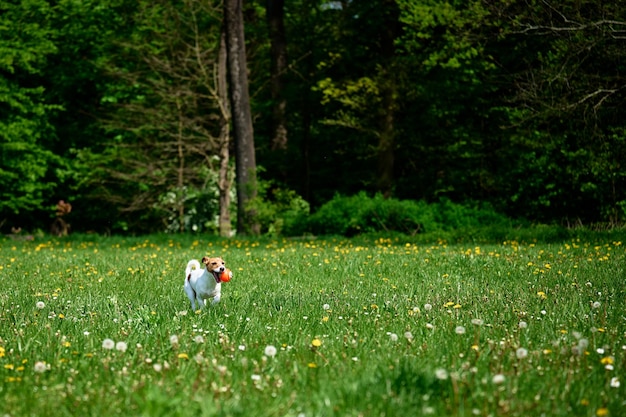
[325, 319]
[584, 402]
[316, 342]
[449, 304]
[183, 356]
[9, 366]
[312, 365]
[607, 360]
[600, 412]
[542, 295]
[457, 306]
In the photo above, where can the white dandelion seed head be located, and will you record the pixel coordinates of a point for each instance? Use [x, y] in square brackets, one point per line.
[428, 307]
[108, 344]
[498, 379]
[459, 330]
[521, 353]
[270, 351]
[173, 340]
[326, 306]
[198, 339]
[441, 374]
[596, 304]
[157, 367]
[408, 336]
[522, 325]
[40, 367]
[393, 337]
[40, 305]
[615, 382]
[477, 322]
[121, 346]
[429, 326]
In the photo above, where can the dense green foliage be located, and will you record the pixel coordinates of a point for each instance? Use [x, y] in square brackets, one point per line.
[517, 105]
[324, 327]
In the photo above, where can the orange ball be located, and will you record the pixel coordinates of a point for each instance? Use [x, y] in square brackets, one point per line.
[226, 275]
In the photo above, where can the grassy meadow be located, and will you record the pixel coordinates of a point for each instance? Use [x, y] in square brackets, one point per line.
[95, 326]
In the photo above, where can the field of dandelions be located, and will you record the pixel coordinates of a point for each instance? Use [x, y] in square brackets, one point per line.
[95, 326]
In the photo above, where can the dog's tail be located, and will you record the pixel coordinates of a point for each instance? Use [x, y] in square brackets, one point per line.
[191, 266]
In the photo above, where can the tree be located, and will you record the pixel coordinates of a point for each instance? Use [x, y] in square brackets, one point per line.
[241, 116]
[278, 69]
[27, 175]
[171, 118]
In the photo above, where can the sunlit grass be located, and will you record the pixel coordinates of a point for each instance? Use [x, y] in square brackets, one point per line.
[313, 328]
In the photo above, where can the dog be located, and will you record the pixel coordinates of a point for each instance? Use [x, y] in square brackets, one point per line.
[203, 283]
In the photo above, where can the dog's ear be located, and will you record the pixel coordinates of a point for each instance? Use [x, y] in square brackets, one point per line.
[205, 260]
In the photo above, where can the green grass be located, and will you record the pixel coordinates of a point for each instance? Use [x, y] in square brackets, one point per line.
[523, 313]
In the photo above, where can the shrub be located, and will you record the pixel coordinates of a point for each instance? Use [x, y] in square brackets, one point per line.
[349, 216]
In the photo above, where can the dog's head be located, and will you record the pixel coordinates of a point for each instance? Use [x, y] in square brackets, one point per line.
[215, 266]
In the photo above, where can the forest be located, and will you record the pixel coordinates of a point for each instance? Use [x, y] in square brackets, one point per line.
[121, 116]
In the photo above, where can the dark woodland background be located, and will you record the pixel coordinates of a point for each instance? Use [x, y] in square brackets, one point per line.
[115, 106]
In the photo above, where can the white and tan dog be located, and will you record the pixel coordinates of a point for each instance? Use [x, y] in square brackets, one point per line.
[204, 283]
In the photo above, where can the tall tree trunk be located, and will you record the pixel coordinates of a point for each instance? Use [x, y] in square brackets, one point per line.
[245, 163]
[386, 137]
[278, 68]
[224, 182]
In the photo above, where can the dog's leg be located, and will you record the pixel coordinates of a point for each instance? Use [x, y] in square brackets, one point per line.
[191, 294]
[201, 303]
[216, 300]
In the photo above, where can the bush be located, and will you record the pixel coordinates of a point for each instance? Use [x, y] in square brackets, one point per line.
[357, 214]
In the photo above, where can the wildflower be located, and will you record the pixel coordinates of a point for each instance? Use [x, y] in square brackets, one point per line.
[270, 351]
[522, 325]
[40, 305]
[429, 326]
[596, 304]
[108, 344]
[521, 353]
[498, 379]
[198, 339]
[459, 330]
[441, 374]
[312, 365]
[183, 356]
[601, 412]
[315, 343]
[477, 322]
[326, 307]
[173, 340]
[607, 360]
[408, 336]
[428, 307]
[157, 367]
[615, 382]
[242, 347]
[256, 377]
[121, 346]
[40, 367]
[393, 337]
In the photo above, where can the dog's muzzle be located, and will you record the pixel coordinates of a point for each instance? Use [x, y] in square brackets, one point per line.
[217, 275]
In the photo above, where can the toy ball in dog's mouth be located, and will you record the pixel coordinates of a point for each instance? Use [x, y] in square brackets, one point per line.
[224, 276]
